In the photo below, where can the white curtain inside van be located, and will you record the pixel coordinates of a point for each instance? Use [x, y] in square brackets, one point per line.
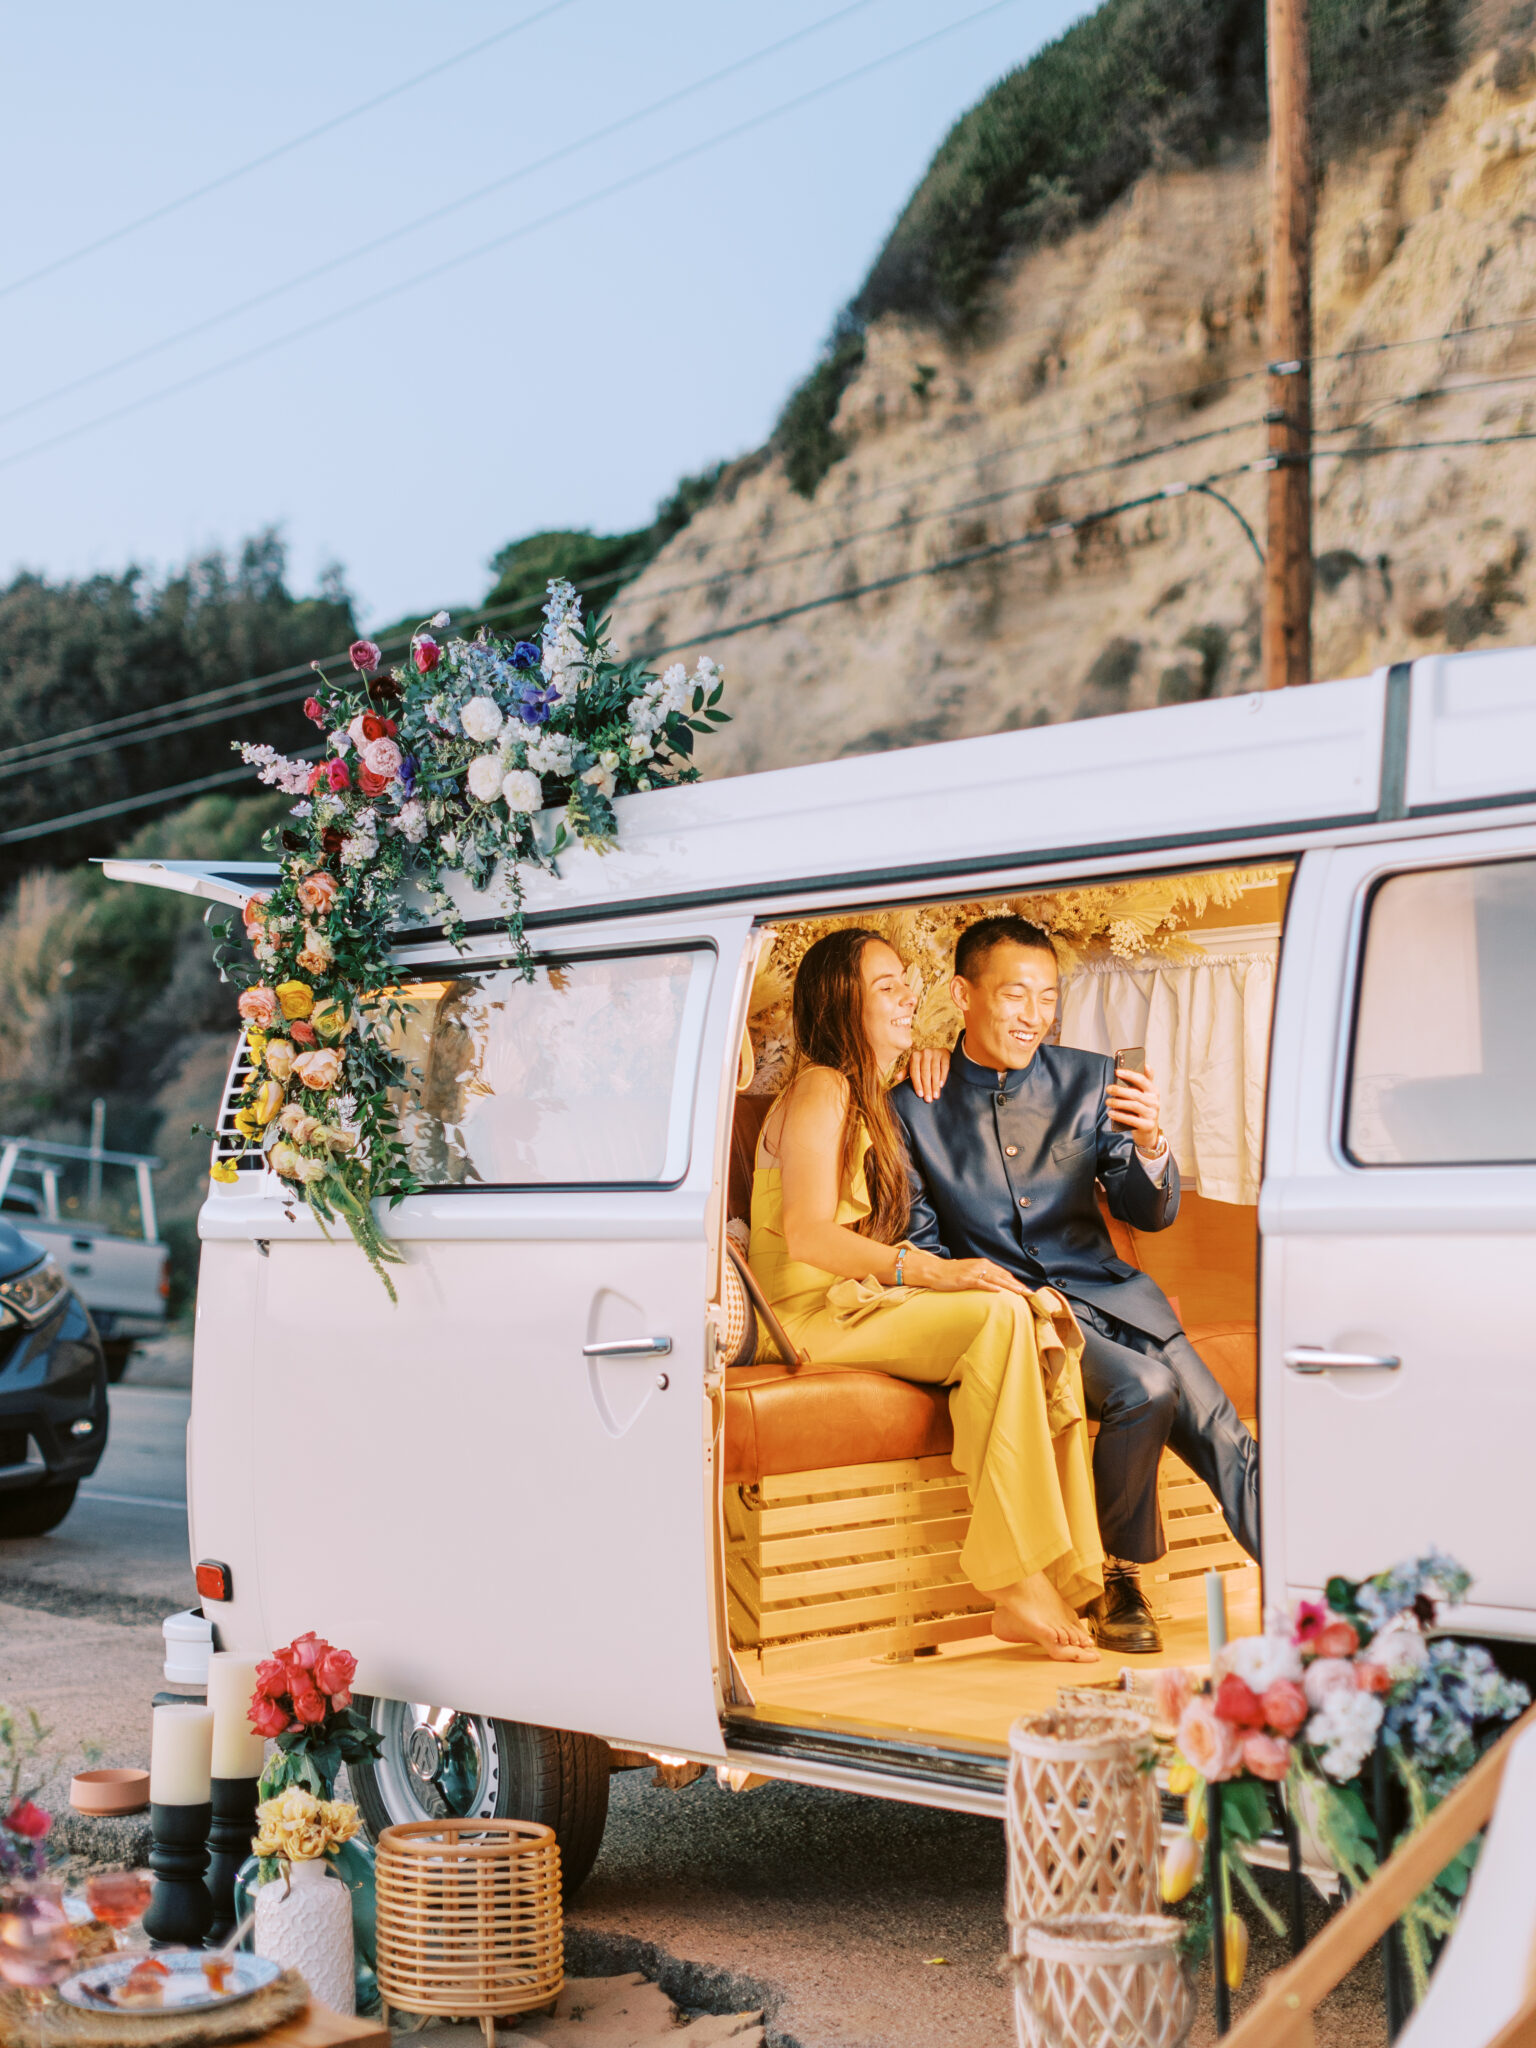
[1205, 1025]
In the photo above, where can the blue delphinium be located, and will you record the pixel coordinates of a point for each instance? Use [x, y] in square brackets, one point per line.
[534, 703]
[526, 654]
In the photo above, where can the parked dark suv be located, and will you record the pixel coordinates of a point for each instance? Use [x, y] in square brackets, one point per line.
[53, 1390]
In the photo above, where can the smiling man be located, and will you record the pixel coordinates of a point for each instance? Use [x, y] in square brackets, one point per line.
[1006, 1160]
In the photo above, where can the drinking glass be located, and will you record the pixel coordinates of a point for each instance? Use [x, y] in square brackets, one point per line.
[119, 1898]
[36, 1949]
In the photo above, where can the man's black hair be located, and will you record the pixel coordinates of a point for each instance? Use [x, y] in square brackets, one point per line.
[978, 939]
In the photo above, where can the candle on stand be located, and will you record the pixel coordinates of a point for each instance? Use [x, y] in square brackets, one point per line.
[1215, 1613]
[238, 1750]
[180, 1756]
[180, 1808]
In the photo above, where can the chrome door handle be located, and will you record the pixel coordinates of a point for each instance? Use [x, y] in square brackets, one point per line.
[629, 1347]
[1309, 1358]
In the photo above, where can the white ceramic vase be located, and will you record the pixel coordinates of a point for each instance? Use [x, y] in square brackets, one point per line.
[306, 1925]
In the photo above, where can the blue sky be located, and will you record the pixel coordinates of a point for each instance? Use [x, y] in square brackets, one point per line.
[567, 377]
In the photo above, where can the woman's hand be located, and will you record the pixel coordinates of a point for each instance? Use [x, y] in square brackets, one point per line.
[927, 1071]
[960, 1276]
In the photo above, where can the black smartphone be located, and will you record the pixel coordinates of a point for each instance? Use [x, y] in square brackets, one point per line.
[1134, 1059]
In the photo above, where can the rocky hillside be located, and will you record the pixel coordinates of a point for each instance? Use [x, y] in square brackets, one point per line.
[1141, 329]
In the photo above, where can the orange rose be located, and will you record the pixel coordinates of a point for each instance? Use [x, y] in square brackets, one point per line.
[317, 892]
[318, 1069]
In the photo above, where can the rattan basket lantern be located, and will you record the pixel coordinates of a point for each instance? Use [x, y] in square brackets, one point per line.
[1083, 1820]
[469, 1922]
[1102, 1980]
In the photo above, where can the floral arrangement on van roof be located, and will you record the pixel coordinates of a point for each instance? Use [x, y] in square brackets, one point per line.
[438, 767]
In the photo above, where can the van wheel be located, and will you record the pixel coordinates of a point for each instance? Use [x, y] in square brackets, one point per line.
[37, 1510]
[437, 1762]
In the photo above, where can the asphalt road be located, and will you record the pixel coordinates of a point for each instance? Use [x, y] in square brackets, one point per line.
[853, 1923]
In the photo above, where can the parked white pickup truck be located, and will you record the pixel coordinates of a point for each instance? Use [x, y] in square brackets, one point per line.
[94, 1212]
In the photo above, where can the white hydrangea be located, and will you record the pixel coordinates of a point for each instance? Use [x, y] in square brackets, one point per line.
[412, 821]
[481, 719]
[552, 753]
[484, 778]
[662, 695]
[523, 791]
[362, 843]
[1343, 1732]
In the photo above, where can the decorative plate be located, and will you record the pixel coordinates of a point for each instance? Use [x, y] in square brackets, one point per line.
[186, 1985]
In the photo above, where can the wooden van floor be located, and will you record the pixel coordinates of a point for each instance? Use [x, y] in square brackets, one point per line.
[969, 1692]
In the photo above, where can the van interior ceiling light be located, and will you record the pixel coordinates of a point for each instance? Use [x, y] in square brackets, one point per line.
[213, 1579]
[30, 1296]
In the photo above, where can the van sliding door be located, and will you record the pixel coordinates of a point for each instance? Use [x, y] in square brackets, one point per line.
[512, 1466]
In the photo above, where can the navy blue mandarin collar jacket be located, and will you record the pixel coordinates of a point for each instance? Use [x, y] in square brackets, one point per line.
[1004, 1167]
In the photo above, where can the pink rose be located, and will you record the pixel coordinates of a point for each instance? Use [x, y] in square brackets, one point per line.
[1213, 1748]
[318, 1069]
[1237, 1702]
[426, 654]
[267, 1717]
[336, 775]
[1285, 1706]
[341, 1699]
[1338, 1639]
[271, 1678]
[1327, 1675]
[317, 892]
[258, 1006]
[1172, 1689]
[305, 1651]
[382, 757]
[1266, 1756]
[365, 655]
[26, 1819]
[302, 1033]
[313, 712]
[310, 1708]
[335, 1671]
[1372, 1677]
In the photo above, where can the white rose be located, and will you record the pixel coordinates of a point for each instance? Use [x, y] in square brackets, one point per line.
[485, 777]
[1259, 1660]
[1327, 1676]
[523, 791]
[1399, 1650]
[481, 718]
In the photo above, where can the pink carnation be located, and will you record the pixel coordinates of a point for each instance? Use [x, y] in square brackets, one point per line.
[1213, 1748]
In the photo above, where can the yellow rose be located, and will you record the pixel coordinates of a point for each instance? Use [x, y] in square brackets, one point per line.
[340, 1818]
[295, 998]
[332, 1020]
[279, 1058]
[296, 1806]
[305, 1843]
[269, 1100]
[246, 1121]
[224, 1171]
[256, 1043]
[268, 1842]
[285, 1160]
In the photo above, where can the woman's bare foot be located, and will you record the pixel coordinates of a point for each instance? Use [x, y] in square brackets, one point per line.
[1034, 1612]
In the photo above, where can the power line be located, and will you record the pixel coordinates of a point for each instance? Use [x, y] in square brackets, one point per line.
[560, 213]
[422, 220]
[256, 163]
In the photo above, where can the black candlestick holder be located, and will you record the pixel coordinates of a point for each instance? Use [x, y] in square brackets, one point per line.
[229, 1843]
[180, 1907]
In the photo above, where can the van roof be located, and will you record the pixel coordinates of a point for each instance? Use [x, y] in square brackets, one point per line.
[1447, 733]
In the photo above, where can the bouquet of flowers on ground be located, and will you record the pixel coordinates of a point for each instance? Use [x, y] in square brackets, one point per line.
[441, 766]
[296, 1827]
[303, 1698]
[23, 1823]
[1305, 1705]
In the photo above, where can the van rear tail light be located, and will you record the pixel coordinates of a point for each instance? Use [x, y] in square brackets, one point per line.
[213, 1580]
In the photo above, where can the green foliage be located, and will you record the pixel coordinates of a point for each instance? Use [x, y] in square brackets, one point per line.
[75, 654]
[1136, 84]
[805, 436]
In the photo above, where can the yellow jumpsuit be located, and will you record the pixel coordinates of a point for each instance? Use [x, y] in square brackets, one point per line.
[1014, 1368]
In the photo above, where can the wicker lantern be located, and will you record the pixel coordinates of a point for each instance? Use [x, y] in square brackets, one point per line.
[469, 1921]
[1083, 1820]
[1102, 1980]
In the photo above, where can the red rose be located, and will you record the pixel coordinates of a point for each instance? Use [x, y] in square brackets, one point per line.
[26, 1819]
[1338, 1639]
[426, 654]
[371, 784]
[1373, 1677]
[335, 1671]
[1237, 1702]
[312, 710]
[1285, 1706]
[373, 726]
[271, 1679]
[390, 727]
[365, 655]
[303, 1033]
[310, 1708]
[336, 775]
[267, 1717]
[341, 1699]
[305, 1650]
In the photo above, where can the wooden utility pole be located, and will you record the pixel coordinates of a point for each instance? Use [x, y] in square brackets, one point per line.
[1288, 567]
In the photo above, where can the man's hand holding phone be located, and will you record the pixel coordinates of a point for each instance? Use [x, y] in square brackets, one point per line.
[1133, 1100]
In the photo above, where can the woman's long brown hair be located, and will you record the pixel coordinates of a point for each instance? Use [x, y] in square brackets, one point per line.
[829, 1032]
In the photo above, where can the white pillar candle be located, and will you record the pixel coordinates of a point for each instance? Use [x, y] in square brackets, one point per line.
[237, 1749]
[1216, 1612]
[181, 1756]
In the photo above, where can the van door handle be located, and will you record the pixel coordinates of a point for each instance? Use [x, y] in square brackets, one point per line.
[629, 1347]
[1309, 1358]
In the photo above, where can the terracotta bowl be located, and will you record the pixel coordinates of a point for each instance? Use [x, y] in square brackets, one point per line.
[101, 1793]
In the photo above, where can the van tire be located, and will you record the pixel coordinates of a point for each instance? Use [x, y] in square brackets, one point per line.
[550, 1775]
[38, 1510]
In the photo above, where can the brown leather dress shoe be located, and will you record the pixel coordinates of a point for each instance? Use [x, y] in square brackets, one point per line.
[1120, 1618]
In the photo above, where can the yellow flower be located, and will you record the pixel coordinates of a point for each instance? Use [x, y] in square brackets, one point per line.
[247, 1123]
[1194, 1812]
[341, 1820]
[296, 998]
[224, 1171]
[305, 1843]
[279, 1058]
[296, 1806]
[332, 1020]
[1181, 1778]
[1235, 1950]
[256, 1045]
[1181, 1866]
[269, 1100]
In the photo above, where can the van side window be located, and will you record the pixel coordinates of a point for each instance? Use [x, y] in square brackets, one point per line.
[581, 1077]
[1440, 1074]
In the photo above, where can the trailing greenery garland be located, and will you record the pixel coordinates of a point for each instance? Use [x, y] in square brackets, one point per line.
[433, 769]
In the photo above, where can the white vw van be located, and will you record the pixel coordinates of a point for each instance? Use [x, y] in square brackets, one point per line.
[553, 1519]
